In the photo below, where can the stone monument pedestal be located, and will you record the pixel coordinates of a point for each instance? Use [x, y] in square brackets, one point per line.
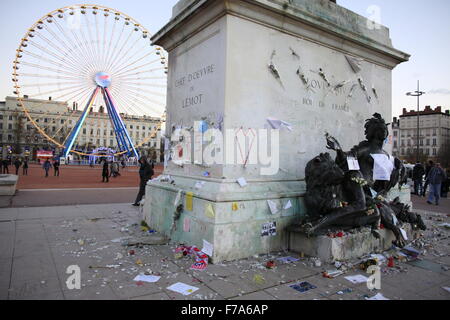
[8, 184]
[234, 64]
[353, 245]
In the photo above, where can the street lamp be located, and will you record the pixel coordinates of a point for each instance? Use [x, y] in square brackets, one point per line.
[417, 94]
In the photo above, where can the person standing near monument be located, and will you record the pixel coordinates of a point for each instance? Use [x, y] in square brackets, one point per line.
[4, 164]
[428, 167]
[25, 167]
[56, 167]
[47, 165]
[418, 173]
[105, 172]
[145, 173]
[17, 164]
[435, 179]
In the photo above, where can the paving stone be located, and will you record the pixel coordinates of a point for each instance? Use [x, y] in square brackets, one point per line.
[26, 247]
[23, 289]
[155, 296]
[57, 295]
[91, 293]
[232, 286]
[33, 267]
[260, 295]
[6, 246]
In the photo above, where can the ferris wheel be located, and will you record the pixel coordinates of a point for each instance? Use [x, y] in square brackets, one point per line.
[96, 58]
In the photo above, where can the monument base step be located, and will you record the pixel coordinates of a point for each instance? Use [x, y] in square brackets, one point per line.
[357, 244]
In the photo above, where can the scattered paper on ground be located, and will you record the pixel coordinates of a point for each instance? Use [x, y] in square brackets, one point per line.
[287, 259]
[357, 278]
[145, 278]
[302, 286]
[182, 288]
[378, 296]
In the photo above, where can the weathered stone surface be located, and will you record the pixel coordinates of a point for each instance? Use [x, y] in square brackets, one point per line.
[350, 246]
[8, 184]
[219, 53]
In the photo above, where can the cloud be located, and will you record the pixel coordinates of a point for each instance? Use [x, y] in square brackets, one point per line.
[439, 91]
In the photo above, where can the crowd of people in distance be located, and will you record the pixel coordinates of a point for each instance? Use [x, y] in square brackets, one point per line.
[431, 176]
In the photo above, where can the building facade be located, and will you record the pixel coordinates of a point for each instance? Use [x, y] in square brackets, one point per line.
[20, 137]
[434, 135]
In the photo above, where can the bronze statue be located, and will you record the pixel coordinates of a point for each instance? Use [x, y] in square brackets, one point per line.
[339, 196]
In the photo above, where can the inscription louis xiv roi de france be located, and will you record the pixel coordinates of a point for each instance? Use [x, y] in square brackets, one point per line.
[189, 80]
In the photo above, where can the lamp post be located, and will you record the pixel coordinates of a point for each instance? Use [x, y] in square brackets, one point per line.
[417, 94]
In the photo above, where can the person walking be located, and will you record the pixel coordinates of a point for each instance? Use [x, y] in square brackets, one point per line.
[56, 167]
[17, 164]
[115, 169]
[25, 167]
[47, 165]
[445, 184]
[428, 167]
[105, 172]
[4, 165]
[435, 178]
[145, 173]
[418, 172]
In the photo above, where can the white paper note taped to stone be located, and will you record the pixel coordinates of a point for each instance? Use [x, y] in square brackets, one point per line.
[242, 182]
[273, 206]
[208, 248]
[288, 205]
[353, 164]
[199, 184]
[405, 236]
[382, 167]
[277, 124]
[177, 199]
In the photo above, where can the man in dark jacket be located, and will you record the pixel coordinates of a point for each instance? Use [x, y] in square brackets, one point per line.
[5, 164]
[105, 172]
[145, 174]
[428, 167]
[17, 164]
[418, 173]
[435, 178]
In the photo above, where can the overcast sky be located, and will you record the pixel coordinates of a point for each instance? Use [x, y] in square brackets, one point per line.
[418, 27]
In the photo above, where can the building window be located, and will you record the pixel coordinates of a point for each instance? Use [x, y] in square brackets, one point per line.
[434, 151]
[62, 121]
[434, 142]
[428, 142]
[395, 144]
[9, 126]
[45, 120]
[84, 130]
[395, 133]
[53, 129]
[10, 118]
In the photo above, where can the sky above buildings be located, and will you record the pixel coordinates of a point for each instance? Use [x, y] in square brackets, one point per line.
[420, 28]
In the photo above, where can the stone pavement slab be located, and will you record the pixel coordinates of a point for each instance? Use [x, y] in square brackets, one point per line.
[37, 245]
